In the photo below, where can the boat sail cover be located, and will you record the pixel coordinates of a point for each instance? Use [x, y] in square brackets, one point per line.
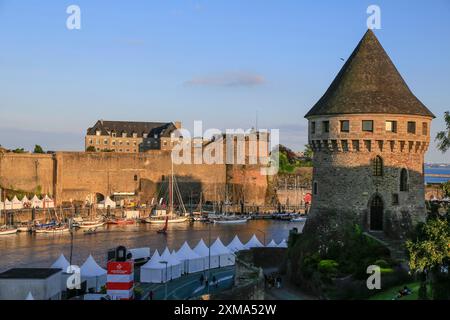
[173, 264]
[192, 261]
[153, 271]
[226, 257]
[61, 263]
[253, 243]
[272, 244]
[94, 275]
[236, 245]
[209, 261]
[283, 244]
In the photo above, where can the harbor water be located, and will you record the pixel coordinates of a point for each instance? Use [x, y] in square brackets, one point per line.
[41, 250]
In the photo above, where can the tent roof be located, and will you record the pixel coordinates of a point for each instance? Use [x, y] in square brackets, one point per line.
[218, 248]
[90, 268]
[35, 198]
[29, 296]
[201, 249]
[153, 263]
[15, 199]
[25, 198]
[283, 244]
[61, 263]
[272, 244]
[236, 244]
[253, 243]
[186, 253]
[171, 259]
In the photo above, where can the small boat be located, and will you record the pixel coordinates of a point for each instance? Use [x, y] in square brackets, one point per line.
[201, 219]
[299, 219]
[121, 221]
[172, 219]
[229, 220]
[91, 224]
[24, 228]
[60, 229]
[4, 231]
[90, 231]
[164, 229]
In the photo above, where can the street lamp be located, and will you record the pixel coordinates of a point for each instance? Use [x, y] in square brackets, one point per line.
[166, 263]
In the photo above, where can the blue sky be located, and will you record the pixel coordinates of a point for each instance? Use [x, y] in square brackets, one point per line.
[219, 61]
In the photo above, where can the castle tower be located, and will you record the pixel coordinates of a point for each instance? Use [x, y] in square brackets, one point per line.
[369, 134]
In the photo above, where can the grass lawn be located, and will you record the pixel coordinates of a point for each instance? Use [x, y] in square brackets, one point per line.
[389, 294]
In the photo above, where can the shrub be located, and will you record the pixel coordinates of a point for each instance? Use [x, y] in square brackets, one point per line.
[328, 267]
[381, 263]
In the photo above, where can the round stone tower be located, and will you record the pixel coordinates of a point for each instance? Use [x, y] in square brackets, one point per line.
[369, 134]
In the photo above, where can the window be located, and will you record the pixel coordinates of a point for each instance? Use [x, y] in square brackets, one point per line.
[367, 125]
[395, 201]
[368, 145]
[113, 142]
[344, 145]
[403, 180]
[313, 127]
[345, 126]
[124, 134]
[411, 127]
[145, 135]
[315, 190]
[355, 145]
[391, 126]
[90, 141]
[105, 142]
[98, 132]
[113, 134]
[425, 128]
[134, 135]
[135, 177]
[377, 166]
[98, 141]
[326, 126]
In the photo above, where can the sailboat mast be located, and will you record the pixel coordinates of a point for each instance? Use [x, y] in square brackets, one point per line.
[171, 186]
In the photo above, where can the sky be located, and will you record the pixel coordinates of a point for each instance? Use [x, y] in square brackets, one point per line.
[224, 62]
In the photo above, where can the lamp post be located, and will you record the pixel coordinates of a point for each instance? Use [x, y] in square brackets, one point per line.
[166, 263]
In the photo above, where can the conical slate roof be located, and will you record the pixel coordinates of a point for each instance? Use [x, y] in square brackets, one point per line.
[369, 83]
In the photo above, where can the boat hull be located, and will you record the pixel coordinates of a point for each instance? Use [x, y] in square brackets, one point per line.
[8, 232]
[231, 221]
[90, 226]
[156, 221]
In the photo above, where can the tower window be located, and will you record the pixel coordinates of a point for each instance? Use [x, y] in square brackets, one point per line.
[425, 128]
[411, 127]
[345, 126]
[377, 166]
[367, 125]
[326, 126]
[313, 127]
[391, 126]
[395, 200]
[135, 177]
[315, 188]
[368, 145]
[355, 145]
[403, 180]
[344, 144]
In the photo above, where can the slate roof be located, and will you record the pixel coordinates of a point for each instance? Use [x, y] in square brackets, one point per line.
[369, 83]
[163, 129]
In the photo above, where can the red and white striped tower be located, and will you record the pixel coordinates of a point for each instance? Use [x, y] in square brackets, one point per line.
[120, 280]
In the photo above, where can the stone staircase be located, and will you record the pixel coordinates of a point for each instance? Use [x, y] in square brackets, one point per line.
[396, 247]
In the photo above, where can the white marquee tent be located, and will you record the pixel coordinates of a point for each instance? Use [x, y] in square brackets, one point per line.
[106, 203]
[209, 261]
[283, 244]
[36, 202]
[7, 205]
[16, 203]
[153, 271]
[272, 244]
[29, 296]
[26, 202]
[226, 257]
[61, 263]
[192, 261]
[236, 245]
[173, 264]
[93, 274]
[48, 202]
[253, 243]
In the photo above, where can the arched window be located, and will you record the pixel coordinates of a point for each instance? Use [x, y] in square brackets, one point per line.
[377, 166]
[403, 180]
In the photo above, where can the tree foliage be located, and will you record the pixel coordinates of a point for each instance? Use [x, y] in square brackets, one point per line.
[90, 149]
[38, 149]
[443, 137]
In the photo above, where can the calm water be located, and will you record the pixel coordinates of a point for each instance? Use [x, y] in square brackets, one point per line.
[41, 250]
[436, 170]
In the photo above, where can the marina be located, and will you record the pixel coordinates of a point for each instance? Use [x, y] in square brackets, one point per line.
[41, 250]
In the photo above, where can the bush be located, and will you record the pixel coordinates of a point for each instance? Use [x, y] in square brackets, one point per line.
[328, 267]
[382, 264]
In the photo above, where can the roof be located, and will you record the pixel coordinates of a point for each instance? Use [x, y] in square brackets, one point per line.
[129, 127]
[369, 83]
[29, 273]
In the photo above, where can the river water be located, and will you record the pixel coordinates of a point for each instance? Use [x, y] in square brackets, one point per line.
[41, 250]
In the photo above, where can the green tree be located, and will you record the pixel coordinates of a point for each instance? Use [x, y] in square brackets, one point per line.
[308, 151]
[38, 149]
[430, 250]
[90, 149]
[443, 137]
[446, 188]
[19, 150]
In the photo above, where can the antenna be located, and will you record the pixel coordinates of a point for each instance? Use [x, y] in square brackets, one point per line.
[256, 125]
